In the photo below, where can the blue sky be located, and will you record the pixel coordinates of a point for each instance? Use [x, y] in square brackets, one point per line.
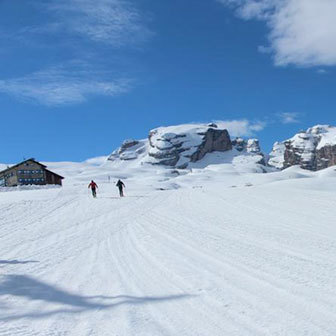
[80, 76]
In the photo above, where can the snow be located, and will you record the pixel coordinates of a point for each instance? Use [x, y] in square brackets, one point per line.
[215, 249]
[327, 135]
[192, 129]
[277, 158]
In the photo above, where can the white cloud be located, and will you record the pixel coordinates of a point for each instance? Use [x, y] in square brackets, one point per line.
[302, 32]
[111, 23]
[241, 127]
[289, 117]
[115, 22]
[60, 86]
[322, 71]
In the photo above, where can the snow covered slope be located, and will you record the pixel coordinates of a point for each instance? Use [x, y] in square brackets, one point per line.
[313, 149]
[227, 253]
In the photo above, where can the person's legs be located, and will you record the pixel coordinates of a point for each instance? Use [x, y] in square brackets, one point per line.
[94, 192]
[121, 192]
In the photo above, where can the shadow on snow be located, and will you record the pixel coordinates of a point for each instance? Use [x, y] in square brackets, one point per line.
[15, 262]
[32, 289]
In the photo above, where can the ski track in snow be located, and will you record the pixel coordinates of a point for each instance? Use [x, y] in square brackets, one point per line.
[206, 261]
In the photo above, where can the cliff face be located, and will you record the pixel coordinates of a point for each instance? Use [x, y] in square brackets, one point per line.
[313, 149]
[326, 157]
[301, 150]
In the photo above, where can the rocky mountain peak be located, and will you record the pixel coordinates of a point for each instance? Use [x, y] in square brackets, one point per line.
[313, 149]
[179, 146]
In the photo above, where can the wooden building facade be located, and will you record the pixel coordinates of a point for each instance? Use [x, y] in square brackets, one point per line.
[28, 172]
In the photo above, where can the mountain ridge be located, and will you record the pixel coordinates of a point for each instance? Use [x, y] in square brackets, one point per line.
[181, 146]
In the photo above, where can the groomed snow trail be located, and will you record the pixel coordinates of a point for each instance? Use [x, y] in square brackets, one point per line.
[204, 261]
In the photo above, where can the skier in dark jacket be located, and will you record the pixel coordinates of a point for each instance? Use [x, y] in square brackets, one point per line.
[121, 187]
[93, 187]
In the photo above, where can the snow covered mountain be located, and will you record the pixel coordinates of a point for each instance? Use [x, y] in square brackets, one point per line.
[314, 149]
[182, 146]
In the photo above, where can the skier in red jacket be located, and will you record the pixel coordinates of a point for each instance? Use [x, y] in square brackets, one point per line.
[93, 186]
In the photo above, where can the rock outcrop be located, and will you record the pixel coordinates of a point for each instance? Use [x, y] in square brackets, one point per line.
[129, 150]
[326, 157]
[178, 145]
[253, 146]
[250, 146]
[239, 144]
[183, 145]
[313, 149]
[214, 140]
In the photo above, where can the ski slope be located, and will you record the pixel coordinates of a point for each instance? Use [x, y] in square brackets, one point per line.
[216, 253]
